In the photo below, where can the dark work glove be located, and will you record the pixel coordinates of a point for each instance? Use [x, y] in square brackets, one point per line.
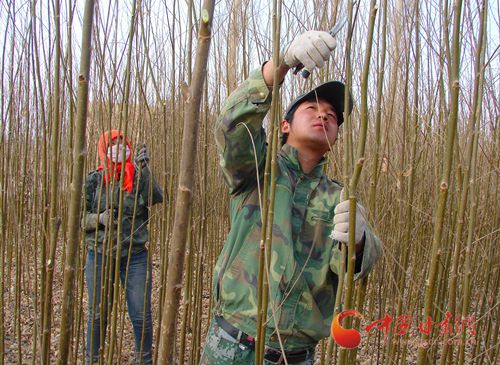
[141, 157]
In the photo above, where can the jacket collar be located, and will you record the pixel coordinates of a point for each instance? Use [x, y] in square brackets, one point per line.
[291, 158]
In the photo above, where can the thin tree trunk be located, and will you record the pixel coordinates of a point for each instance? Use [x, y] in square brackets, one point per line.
[445, 179]
[378, 118]
[54, 184]
[79, 154]
[267, 215]
[360, 157]
[123, 126]
[477, 97]
[184, 191]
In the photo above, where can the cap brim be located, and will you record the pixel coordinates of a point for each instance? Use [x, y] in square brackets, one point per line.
[332, 92]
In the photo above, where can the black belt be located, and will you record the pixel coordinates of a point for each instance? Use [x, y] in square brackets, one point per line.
[235, 333]
[270, 354]
[292, 356]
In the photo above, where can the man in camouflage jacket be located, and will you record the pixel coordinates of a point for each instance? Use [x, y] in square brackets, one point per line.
[309, 219]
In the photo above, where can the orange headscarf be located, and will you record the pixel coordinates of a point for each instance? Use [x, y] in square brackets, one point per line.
[114, 169]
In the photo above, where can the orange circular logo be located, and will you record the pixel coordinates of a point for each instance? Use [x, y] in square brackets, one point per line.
[347, 338]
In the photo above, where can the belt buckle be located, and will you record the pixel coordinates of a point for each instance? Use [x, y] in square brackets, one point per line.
[269, 350]
[238, 339]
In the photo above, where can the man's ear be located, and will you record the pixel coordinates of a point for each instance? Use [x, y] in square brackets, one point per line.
[285, 126]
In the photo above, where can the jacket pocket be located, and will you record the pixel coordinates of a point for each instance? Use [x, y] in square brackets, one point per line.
[321, 215]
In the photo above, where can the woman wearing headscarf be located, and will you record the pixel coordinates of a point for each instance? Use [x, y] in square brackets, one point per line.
[100, 222]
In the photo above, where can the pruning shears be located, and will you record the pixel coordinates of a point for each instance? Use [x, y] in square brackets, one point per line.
[333, 32]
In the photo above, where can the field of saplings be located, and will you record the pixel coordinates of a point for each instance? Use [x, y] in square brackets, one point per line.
[420, 151]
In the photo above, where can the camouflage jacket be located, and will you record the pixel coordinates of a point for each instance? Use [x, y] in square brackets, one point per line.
[98, 199]
[305, 261]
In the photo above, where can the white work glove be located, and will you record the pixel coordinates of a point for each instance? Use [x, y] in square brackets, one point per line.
[105, 219]
[310, 49]
[341, 222]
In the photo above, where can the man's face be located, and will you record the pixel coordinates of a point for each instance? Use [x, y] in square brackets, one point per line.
[314, 126]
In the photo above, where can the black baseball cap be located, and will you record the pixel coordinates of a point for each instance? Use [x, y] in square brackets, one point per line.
[332, 92]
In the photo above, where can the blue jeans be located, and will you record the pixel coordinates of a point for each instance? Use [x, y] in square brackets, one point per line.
[139, 284]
